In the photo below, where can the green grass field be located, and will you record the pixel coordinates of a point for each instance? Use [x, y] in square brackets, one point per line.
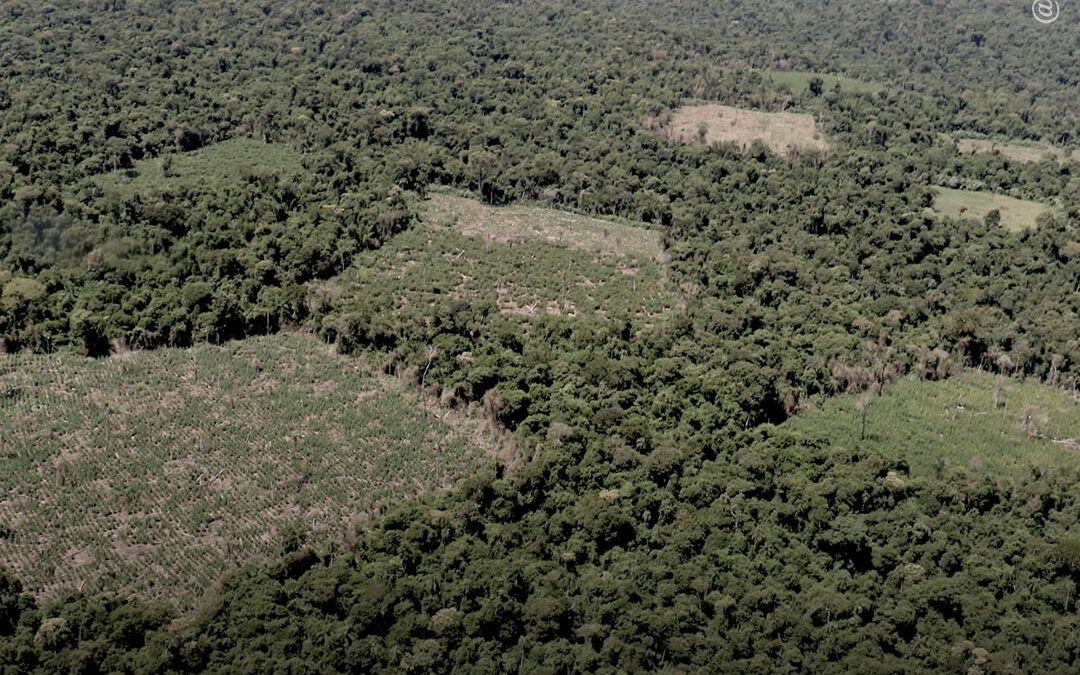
[1016, 214]
[157, 472]
[799, 81]
[955, 420]
[528, 261]
[215, 165]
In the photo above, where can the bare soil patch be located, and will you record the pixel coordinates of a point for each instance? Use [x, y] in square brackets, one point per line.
[785, 133]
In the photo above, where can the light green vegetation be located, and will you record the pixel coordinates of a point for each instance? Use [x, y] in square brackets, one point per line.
[216, 165]
[1016, 150]
[526, 260]
[799, 81]
[156, 472]
[1016, 214]
[957, 421]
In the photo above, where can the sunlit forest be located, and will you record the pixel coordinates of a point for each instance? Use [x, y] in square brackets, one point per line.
[603, 336]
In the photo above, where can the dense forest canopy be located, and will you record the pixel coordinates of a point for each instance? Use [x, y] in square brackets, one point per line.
[183, 172]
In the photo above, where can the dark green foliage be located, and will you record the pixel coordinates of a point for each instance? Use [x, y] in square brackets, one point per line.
[176, 261]
[12, 603]
[82, 635]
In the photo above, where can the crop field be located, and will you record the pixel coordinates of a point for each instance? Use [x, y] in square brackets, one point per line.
[1014, 150]
[215, 165]
[1016, 214]
[781, 131]
[527, 261]
[157, 472]
[957, 421]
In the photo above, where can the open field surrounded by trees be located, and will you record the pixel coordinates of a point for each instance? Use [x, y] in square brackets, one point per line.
[993, 425]
[1014, 214]
[228, 163]
[155, 473]
[519, 261]
[799, 82]
[782, 132]
[1031, 151]
[508, 224]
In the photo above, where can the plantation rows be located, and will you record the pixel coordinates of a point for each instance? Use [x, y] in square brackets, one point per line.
[157, 472]
[527, 277]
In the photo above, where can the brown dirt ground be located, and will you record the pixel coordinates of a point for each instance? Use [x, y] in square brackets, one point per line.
[783, 132]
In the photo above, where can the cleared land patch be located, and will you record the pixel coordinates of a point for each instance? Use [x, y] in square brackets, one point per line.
[957, 420]
[783, 132]
[157, 472]
[1016, 214]
[526, 261]
[799, 81]
[1016, 151]
[504, 224]
[215, 165]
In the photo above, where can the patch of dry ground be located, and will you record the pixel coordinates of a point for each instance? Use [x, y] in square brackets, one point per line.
[509, 224]
[784, 132]
[1017, 152]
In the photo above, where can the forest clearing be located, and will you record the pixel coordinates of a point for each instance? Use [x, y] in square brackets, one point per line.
[714, 123]
[799, 81]
[523, 260]
[506, 224]
[1016, 214]
[1017, 151]
[157, 472]
[991, 426]
[215, 165]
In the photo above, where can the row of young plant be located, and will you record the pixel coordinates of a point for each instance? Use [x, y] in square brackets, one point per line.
[178, 461]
